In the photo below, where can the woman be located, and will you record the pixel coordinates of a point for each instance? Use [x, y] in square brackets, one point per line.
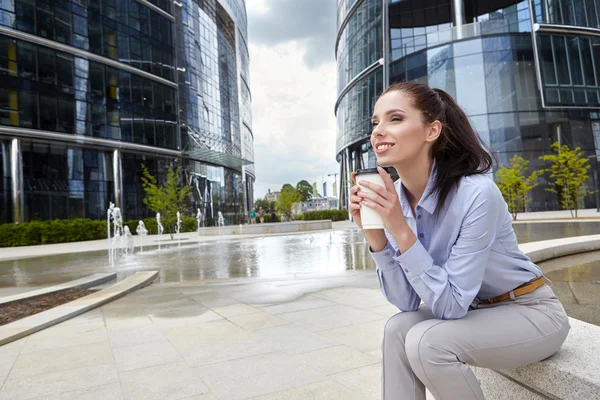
[448, 244]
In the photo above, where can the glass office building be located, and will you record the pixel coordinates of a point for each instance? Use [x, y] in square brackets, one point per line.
[527, 73]
[93, 90]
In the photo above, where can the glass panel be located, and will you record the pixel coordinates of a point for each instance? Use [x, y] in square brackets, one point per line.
[47, 68]
[66, 119]
[26, 54]
[28, 110]
[547, 59]
[64, 69]
[48, 113]
[562, 63]
[470, 84]
[587, 63]
[575, 59]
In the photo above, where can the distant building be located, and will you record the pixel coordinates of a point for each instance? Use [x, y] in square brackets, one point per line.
[272, 196]
[317, 204]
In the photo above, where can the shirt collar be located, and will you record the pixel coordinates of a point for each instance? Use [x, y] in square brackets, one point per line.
[428, 201]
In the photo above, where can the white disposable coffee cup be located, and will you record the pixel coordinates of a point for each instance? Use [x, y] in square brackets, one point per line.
[369, 217]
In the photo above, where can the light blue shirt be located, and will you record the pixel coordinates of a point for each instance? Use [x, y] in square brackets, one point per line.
[468, 253]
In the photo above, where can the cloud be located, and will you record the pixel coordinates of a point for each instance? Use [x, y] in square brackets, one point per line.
[310, 22]
[294, 125]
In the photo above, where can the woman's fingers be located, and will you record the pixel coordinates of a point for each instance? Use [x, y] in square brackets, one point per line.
[355, 199]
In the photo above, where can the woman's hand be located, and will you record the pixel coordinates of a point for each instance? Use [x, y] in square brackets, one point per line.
[354, 206]
[386, 202]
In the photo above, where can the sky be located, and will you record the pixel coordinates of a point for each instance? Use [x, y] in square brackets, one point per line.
[293, 84]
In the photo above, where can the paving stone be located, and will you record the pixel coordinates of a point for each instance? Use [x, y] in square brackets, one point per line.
[145, 355]
[58, 382]
[235, 310]
[257, 375]
[8, 356]
[111, 391]
[335, 359]
[191, 337]
[324, 318]
[170, 381]
[387, 310]
[354, 297]
[259, 320]
[46, 361]
[184, 316]
[226, 351]
[365, 381]
[297, 305]
[135, 336]
[362, 337]
[129, 318]
[326, 390]
[294, 339]
[212, 300]
[61, 336]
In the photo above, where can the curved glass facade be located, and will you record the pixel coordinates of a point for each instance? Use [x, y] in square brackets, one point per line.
[360, 43]
[91, 91]
[489, 66]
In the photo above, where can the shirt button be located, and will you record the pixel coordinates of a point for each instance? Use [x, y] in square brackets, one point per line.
[419, 216]
[405, 270]
[421, 235]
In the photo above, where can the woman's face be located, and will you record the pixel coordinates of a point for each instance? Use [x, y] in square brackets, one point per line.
[400, 137]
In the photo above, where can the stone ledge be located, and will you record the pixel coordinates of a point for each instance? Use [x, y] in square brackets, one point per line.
[83, 283]
[549, 249]
[573, 373]
[270, 228]
[34, 323]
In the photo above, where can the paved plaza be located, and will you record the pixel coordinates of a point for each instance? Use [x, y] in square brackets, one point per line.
[298, 336]
[316, 338]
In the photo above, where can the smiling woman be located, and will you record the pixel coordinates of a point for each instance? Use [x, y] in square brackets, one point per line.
[448, 256]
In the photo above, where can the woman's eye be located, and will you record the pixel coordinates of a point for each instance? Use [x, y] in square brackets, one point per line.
[374, 124]
[396, 118]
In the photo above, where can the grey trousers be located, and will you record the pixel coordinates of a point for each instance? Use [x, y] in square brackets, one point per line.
[421, 351]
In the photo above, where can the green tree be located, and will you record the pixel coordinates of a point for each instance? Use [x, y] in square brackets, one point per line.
[515, 185]
[288, 197]
[286, 185]
[167, 198]
[568, 172]
[268, 206]
[305, 190]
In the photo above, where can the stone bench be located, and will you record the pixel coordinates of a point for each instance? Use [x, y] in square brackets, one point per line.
[573, 373]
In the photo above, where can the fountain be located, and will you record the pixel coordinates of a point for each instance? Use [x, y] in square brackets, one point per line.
[221, 220]
[198, 219]
[160, 229]
[117, 243]
[178, 228]
[127, 241]
[141, 231]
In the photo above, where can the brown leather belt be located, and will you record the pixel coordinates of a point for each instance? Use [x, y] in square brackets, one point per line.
[520, 291]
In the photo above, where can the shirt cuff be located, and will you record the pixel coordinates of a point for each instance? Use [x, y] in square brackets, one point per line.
[384, 259]
[415, 260]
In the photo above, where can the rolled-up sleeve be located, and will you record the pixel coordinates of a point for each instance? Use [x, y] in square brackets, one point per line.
[393, 282]
[450, 289]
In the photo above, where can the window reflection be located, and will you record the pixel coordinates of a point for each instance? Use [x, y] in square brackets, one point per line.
[97, 26]
[80, 96]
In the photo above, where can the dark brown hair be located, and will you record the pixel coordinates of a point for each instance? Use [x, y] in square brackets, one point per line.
[459, 150]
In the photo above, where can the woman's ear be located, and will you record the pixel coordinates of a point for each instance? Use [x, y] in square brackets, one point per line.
[434, 130]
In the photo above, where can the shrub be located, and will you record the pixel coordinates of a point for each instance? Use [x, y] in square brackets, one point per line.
[47, 232]
[334, 215]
